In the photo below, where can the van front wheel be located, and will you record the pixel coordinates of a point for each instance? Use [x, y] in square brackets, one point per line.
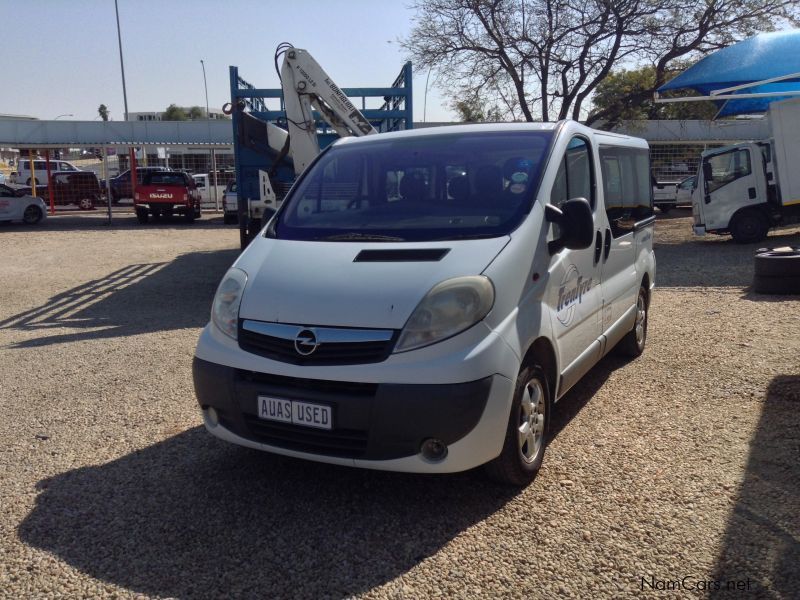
[526, 434]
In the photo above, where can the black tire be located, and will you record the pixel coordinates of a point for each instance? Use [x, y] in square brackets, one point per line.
[749, 226]
[789, 284]
[32, 215]
[664, 208]
[189, 216]
[36, 179]
[632, 345]
[229, 219]
[778, 264]
[142, 216]
[85, 203]
[520, 459]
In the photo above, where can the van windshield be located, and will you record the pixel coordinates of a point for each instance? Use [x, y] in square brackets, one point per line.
[417, 189]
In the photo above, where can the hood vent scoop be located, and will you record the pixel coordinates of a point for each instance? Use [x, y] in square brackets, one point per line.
[411, 255]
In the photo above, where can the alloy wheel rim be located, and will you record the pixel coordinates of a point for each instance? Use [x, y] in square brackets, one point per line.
[30, 214]
[530, 428]
[641, 316]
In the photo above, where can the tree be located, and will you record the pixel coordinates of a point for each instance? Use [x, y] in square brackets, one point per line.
[174, 113]
[474, 110]
[197, 113]
[628, 94]
[102, 110]
[545, 58]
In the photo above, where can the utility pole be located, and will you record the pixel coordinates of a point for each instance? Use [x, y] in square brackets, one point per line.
[213, 154]
[121, 63]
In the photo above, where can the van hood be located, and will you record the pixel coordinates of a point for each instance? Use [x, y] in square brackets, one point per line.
[320, 283]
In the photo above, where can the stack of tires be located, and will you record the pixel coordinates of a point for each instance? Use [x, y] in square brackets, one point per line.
[777, 271]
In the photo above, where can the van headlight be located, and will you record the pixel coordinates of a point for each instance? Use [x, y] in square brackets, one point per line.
[448, 308]
[225, 309]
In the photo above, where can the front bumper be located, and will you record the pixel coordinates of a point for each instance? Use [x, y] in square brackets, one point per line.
[379, 426]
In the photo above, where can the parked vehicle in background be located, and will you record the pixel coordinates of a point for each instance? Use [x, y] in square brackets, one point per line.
[206, 188]
[2, 177]
[20, 207]
[230, 204]
[23, 173]
[683, 191]
[432, 326]
[166, 193]
[121, 184]
[81, 188]
[664, 195]
[748, 188]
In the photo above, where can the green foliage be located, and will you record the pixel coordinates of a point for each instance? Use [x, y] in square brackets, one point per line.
[628, 95]
[474, 110]
[196, 113]
[102, 110]
[174, 113]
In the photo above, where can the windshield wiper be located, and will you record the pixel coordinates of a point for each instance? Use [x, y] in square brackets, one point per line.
[360, 237]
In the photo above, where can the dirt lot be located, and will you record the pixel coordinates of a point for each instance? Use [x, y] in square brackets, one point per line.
[674, 473]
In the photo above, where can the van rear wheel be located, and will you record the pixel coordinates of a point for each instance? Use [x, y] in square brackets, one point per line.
[632, 345]
[526, 434]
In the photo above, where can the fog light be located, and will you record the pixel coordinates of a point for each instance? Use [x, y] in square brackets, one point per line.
[433, 449]
[212, 418]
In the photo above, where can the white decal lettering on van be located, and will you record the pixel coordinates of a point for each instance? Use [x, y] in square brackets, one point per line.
[570, 294]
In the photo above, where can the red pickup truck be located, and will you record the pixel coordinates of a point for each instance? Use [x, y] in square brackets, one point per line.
[166, 193]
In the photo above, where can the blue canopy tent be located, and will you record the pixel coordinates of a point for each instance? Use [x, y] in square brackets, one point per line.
[746, 77]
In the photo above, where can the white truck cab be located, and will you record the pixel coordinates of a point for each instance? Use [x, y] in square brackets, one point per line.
[746, 189]
[421, 299]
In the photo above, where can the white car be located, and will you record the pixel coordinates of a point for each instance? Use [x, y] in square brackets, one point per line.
[683, 191]
[230, 204]
[25, 209]
[431, 326]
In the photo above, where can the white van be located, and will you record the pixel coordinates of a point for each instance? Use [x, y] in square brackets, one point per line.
[423, 298]
[23, 172]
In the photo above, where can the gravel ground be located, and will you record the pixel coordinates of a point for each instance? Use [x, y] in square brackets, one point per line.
[684, 463]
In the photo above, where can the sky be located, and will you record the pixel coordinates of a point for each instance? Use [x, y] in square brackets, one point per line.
[72, 65]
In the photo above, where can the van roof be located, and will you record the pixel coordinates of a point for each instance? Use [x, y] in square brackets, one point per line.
[601, 136]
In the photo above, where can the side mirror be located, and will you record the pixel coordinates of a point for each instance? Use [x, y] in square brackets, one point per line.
[576, 222]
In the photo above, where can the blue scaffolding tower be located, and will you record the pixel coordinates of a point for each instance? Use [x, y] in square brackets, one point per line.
[252, 154]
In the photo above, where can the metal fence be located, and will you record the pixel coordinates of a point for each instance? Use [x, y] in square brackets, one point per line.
[87, 177]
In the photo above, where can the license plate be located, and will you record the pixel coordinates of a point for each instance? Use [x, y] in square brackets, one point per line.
[295, 412]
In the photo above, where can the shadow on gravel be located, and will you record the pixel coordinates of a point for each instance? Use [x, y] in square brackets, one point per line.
[122, 220]
[579, 396]
[762, 541]
[135, 299]
[712, 262]
[194, 517]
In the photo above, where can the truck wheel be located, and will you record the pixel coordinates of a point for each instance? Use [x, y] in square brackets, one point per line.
[526, 434]
[664, 208]
[141, 215]
[32, 215]
[36, 179]
[228, 219]
[189, 216]
[749, 226]
[632, 345]
[86, 204]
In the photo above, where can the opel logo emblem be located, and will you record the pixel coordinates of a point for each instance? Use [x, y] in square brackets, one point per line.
[306, 342]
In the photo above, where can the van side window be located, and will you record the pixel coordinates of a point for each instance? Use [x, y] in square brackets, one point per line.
[574, 178]
[626, 186]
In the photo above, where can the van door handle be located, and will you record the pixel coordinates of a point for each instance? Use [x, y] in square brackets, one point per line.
[752, 193]
[606, 244]
[598, 247]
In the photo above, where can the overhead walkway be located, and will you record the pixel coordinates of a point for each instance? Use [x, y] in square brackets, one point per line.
[16, 133]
